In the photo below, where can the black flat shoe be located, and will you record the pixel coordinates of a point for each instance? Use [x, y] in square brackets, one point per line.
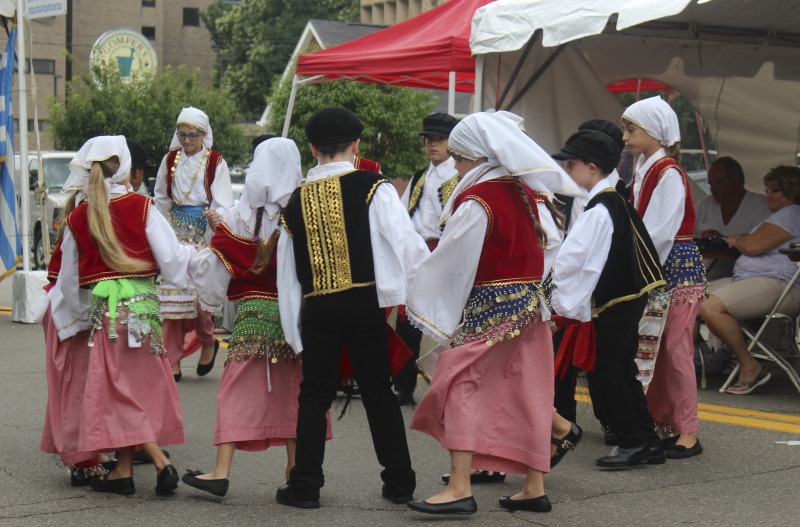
[540, 504]
[167, 480]
[462, 506]
[217, 487]
[481, 476]
[286, 495]
[397, 498]
[204, 369]
[621, 458]
[123, 486]
[177, 376]
[563, 446]
[81, 477]
[681, 452]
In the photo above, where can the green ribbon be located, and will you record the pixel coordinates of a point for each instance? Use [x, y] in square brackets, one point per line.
[114, 290]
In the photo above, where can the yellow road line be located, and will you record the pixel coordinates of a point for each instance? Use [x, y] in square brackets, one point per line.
[732, 416]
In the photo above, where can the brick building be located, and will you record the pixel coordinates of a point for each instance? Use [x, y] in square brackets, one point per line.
[389, 12]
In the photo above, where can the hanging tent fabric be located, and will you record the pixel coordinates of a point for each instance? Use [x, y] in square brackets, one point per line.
[736, 61]
[430, 50]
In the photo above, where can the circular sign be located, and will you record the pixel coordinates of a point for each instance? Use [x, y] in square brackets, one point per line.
[129, 50]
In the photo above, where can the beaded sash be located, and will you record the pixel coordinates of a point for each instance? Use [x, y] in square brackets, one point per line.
[257, 332]
[189, 223]
[133, 303]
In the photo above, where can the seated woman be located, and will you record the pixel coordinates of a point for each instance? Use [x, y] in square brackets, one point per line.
[759, 276]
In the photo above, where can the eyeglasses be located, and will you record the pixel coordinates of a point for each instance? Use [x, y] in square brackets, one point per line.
[768, 190]
[191, 137]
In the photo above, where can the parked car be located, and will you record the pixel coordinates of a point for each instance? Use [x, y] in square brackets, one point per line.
[55, 166]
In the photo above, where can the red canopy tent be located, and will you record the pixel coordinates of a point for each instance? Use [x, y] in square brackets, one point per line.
[430, 50]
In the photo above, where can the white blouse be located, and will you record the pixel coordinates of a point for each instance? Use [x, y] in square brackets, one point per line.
[397, 252]
[221, 193]
[429, 210]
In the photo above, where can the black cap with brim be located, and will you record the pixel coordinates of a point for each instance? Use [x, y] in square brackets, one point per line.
[333, 125]
[591, 146]
[438, 125]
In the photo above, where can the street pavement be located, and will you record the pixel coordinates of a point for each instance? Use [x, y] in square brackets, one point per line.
[745, 477]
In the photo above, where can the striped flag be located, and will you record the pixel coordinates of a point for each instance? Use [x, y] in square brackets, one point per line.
[10, 242]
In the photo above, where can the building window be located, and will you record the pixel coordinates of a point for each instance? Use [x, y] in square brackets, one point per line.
[149, 32]
[41, 125]
[44, 66]
[191, 16]
[148, 3]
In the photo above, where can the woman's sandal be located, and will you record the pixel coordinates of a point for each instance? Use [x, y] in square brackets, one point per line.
[569, 442]
[762, 378]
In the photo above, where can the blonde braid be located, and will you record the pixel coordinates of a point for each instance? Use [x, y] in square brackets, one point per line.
[100, 225]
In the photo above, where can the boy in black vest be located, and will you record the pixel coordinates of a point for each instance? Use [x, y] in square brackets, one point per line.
[347, 250]
[605, 268]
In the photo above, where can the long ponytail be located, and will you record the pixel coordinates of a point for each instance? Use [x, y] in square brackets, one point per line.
[100, 225]
[265, 247]
[61, 221]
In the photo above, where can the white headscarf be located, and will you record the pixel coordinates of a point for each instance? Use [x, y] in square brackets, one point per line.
[98, 149]
[656, 117]
[197, 118]
[270, 181]
[498, 137]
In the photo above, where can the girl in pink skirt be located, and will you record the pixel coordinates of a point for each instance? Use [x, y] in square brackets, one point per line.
[257, 400]
[491, 400]
[113, 246]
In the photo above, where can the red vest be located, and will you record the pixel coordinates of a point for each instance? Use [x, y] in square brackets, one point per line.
[54, 267]
[238, 253]
[214, 159]
[368, 165]
[510, 249]
[649, 183]
[129, 219]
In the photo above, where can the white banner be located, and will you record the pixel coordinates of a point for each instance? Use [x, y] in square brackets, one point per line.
[43, 8]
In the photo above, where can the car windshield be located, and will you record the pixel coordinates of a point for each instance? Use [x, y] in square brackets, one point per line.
[56, 171]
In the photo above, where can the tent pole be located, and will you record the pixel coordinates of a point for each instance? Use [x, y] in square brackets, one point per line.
[477, 103]
[699, 120]
[451, 94]
[22, 107]
[288, 119]
[535, 77]
[517, 68]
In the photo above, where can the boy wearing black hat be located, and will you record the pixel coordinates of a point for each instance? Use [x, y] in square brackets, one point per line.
[347, 250]
[138, 164]
[604, 269]
[425, 197]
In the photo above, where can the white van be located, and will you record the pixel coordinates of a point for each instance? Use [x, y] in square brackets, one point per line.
[56, 170]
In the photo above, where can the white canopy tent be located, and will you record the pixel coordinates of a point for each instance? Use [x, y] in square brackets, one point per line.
[736, 61]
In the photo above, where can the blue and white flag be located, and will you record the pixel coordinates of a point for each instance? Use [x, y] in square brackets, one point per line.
[10, 242]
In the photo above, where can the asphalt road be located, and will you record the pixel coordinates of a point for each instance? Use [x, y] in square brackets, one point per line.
[745, 477]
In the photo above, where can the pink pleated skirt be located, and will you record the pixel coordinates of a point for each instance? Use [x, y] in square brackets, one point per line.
[251, 416]
[496, 402]
[67, 364]
[130, 396]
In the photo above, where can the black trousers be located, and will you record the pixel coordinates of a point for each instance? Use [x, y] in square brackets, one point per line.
[406, 379]
[564, 400]
[352, 318]
[616, 388]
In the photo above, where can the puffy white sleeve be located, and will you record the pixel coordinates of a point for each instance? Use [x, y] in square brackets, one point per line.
[210, 278]
[160, 190]
[444, 280]
[290, 292]
[70, 304]
[664, 213]
[397, 249]
[580, 262]
[555, 236]
[172, 257]
[221, 191]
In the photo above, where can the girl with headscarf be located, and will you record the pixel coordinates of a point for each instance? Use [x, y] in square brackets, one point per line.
[111, 250]
[491, 400]
[257, 400]
[193, 190]
[662, 197]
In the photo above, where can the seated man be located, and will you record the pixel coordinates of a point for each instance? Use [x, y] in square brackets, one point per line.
[729, 209]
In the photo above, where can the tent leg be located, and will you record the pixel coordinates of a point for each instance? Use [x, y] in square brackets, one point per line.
[288, 119]
[477, 102]
[451, 94]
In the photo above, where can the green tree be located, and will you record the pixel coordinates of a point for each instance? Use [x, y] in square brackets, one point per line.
[145, 109]
[392, 118]
[255, 40]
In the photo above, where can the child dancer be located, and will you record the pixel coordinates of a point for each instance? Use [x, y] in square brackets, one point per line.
[605, 268]
[491, 399]
[111, 250]
[257, 401]
[662, 198]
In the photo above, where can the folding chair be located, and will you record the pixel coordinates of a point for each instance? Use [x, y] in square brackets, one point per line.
[767, 352]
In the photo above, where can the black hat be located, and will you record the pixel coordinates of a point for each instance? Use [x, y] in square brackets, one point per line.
[260, 139]
[333, 125]
[591, 146]
[607, 127]
[438, 125]
[138, 154]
